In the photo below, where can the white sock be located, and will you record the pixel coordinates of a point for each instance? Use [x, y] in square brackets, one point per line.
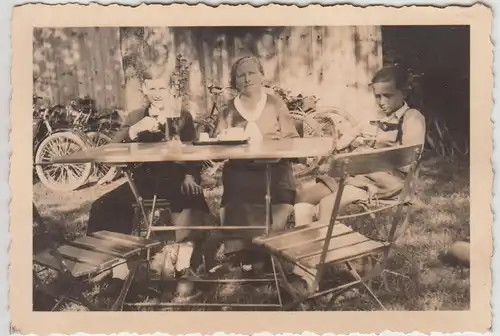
[184, 256]
[303, 213]
[121, 271]
[307, 277]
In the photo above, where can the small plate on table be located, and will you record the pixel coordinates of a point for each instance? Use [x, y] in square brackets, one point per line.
[219, 142]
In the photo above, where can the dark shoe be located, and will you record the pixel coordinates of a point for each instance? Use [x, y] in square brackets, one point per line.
[112, 288]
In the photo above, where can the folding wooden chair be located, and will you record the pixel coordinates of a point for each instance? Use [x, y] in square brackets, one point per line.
[372, 208]
[318, 245]
[79, 262]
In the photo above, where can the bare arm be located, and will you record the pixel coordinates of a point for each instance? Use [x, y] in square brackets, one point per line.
[346, 139]
[123, 134]
[413, 129]
[349, 136]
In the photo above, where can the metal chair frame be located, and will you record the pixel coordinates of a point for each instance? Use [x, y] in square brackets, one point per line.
[148, 205]
[84, 254]
[342, 166]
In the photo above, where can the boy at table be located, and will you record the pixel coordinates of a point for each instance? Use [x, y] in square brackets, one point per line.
[176, 182]
[400, 125]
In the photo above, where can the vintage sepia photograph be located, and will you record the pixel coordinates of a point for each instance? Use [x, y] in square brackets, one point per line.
[162, 121]
[224, 168]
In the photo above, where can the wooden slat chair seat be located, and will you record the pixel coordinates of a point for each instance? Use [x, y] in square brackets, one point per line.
[304, 245]
[160, 203]
[316, 245]
[86, 257]
[92, 254]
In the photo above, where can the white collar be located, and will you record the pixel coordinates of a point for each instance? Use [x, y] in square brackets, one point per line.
[154, 111]
[254, 115]
[398, 113]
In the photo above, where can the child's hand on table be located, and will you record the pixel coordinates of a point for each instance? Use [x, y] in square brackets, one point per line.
[190, 187]
[146, 124]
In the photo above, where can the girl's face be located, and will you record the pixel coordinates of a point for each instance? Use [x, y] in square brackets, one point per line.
[248, 77]
[157, 92]
[388, 97]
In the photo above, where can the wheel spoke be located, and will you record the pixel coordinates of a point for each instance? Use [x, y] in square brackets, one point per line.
[50, 169]
[101, 141]
[63, 177]
[73, 148]
[53, 148]
[60, 147]
[46, 156]
[53, 172]
[71, 175]
[103, 169]
[76, 169]
[66, 146]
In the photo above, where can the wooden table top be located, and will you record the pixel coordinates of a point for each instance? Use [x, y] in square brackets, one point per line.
[122, 153]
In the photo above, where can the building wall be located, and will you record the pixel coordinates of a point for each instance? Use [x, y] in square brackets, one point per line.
[333, 63]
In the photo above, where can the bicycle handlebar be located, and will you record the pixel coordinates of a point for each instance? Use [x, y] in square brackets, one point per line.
[215, 89]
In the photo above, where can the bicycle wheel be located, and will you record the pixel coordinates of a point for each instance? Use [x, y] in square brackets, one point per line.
[67, 177]
[101, 172]
[341, 119]
[314, 125]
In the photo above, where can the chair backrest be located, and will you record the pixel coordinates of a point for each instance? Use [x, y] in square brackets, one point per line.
[379, 160]
[374, 160]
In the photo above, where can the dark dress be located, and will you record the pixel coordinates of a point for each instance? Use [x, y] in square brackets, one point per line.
[114, 210]
[245, 181]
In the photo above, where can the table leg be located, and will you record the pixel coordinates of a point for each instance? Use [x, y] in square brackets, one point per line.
[269, 223]
[137, 196]
[269, 212]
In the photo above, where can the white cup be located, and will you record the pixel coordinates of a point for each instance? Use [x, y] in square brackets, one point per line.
[233, 133]
[204, 136]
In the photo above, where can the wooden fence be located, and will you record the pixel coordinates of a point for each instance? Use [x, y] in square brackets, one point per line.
[335, 63]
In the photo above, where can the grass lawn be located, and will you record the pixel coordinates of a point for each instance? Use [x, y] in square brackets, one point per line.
[440, 217]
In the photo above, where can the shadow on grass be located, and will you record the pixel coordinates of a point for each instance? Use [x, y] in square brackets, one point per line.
[439, 217]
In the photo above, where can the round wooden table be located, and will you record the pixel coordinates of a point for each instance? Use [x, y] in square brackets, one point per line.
[267, 152]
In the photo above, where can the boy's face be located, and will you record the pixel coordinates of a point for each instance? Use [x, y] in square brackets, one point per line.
[157, 91]
[388, 97]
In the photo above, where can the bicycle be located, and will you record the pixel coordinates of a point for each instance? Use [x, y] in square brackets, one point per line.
[52, 137]
[99, 129]
[65, 129]
[310, 121]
